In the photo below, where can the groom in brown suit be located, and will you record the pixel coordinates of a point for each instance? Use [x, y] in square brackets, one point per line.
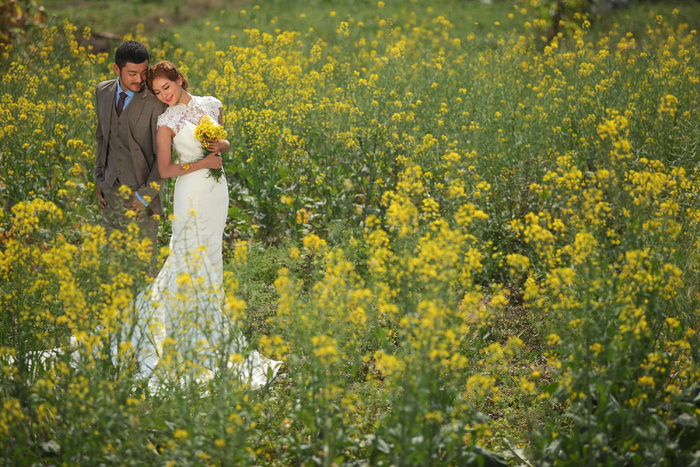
[127, 117]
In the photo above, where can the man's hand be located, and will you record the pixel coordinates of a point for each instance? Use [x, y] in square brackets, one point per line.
[137, 206]
[100, 197]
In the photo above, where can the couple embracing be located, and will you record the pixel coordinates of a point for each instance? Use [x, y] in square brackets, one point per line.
[141, 116]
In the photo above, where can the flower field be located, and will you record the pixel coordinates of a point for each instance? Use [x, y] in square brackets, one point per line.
[461, 239]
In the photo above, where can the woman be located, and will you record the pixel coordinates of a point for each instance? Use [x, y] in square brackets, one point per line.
[181, 331]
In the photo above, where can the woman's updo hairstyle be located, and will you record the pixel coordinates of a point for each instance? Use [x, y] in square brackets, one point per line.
[164, 69]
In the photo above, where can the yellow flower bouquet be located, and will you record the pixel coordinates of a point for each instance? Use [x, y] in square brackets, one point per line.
[208, 129]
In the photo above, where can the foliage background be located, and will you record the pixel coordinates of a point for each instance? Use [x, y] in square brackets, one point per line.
[455, 228]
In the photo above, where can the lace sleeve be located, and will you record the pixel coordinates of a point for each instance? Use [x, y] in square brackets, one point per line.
[172, 118]
[212, 106]
[179, 115]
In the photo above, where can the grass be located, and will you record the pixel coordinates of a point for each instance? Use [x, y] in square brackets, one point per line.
[453, 233]
[511, 414]
[186, 23]
[111, 20]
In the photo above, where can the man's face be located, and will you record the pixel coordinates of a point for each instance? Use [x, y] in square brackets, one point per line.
[132, 76]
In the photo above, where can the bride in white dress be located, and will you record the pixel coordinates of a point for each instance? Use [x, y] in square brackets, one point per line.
[182, 330]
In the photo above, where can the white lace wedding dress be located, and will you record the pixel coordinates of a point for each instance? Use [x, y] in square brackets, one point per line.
[182, 330]
[178, 329]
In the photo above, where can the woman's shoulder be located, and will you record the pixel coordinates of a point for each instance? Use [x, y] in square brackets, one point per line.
[169, 112]
[209, 101]
[171, 116]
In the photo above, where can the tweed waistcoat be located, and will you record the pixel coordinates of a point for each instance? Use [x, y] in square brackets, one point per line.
[119, 159]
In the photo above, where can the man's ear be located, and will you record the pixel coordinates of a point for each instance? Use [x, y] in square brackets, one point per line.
[115, 67]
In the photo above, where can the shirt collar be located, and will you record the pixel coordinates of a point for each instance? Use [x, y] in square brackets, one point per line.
[129, 92]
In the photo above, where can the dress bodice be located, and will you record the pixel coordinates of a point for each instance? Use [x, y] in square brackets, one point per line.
[183, 119]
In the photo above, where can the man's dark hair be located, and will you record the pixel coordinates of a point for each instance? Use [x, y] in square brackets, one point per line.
[130, 51]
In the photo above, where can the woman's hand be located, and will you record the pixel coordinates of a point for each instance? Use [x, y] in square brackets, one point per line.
[217, 147]
[212, 161]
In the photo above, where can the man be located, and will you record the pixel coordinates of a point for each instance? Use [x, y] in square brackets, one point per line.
[127, 117]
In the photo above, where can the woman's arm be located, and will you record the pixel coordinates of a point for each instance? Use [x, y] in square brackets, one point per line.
[166, 167]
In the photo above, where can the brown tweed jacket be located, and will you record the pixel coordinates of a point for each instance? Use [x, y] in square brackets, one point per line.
[142, 170]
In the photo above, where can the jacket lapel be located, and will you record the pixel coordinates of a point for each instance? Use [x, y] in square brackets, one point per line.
[139, 103]
[108, 98]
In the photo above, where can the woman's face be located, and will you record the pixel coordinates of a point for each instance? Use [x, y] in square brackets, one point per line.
[168, 91]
